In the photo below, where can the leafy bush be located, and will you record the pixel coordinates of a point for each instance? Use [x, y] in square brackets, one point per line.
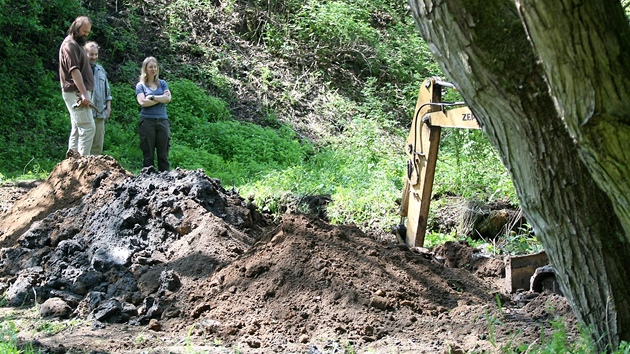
[335, 24]
[191, 107]
[359, 171]
[469, 166]
[242, 151]
[35, 124]
[34, 129]
[203, 135]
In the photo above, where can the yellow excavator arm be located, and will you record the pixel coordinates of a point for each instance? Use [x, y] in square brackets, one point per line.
[430, 115]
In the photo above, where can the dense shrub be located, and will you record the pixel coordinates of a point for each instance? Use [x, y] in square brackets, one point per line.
[203, 135]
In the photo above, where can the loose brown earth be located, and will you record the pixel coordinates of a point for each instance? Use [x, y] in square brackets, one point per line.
[173, 263]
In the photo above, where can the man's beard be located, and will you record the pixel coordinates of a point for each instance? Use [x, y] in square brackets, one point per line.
[80, 40]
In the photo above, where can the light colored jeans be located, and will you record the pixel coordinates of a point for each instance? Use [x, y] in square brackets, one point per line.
[99, 136]
[83, 128]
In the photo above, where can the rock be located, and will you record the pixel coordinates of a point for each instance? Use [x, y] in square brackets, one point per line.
[379, 302]
[254, 343]
[169, 281]
[154, 325]
[55, 307]
[21, 291]
[109, 311]
[211, 326]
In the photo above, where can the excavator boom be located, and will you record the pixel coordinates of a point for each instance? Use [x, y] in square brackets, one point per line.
[430, 116]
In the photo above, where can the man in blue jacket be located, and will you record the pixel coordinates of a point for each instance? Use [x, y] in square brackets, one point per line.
[101, 98]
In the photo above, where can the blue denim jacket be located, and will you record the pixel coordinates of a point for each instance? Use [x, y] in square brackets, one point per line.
[101, 93]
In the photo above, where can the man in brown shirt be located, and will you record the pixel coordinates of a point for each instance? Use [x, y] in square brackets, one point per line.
[77, 83]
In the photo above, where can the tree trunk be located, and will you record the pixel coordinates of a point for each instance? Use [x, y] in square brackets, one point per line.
[585, 53]
[483, 48]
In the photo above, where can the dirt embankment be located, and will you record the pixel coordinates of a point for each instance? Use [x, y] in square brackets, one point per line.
[175, 255]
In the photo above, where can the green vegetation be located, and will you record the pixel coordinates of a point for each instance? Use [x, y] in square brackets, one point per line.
[469, 166]
[9, 340]
[364, 60]
[28, 320]
[320, 107]
[204, 136]
[558, 342]
[359, 170]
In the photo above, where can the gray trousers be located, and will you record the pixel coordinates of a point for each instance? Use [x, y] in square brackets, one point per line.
[155, 136]
[99, 136]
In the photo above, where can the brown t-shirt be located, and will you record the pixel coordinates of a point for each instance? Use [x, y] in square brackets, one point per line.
[73, 56]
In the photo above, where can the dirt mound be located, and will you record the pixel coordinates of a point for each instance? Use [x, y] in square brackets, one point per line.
[461, 255]
[175, 254]
[313, 280]
[69, 181]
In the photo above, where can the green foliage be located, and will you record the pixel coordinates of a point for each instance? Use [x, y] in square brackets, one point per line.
[407, 58]
[186, 22]
[432, 238]
[237, 152]
[558, 341]
[51, 327]
[203, 135]
[33, 119]
[469, 166]
[191, 106]
[179, 14]
[11, 326]
[34, 131]
[359, 170]
[335, 24]
[348, 39]
[211, 79]
[9, 343]
[31, 30]
[521, 241]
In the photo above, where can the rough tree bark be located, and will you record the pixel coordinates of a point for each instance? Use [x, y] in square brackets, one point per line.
[586, 58]
[483, 48]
